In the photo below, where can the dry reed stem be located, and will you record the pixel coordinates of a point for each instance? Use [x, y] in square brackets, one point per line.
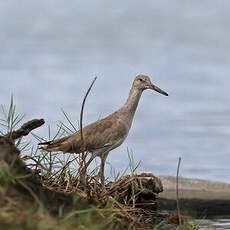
[37, 162]
[81, 115]
[64, 167]
[119, 185]
[83, 153]
[133, 194]
[177, 192]
[123, 210]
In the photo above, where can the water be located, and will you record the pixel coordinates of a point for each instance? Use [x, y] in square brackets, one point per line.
[214, 224]
[50, 52]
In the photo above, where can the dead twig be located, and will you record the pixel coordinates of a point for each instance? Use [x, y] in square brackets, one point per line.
[82, 109]
[25, 129]
[83, 155]
[177, 192]
[37, 162]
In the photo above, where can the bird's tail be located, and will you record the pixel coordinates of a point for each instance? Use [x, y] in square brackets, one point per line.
[45, 143]
[52, 146]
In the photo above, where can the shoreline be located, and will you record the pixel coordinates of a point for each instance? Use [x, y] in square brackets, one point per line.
[197, 196]
[190, 188]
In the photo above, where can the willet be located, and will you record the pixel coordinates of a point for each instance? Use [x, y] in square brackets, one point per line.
[105, 134]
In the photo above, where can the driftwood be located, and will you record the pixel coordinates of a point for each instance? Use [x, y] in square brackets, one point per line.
[25, 129]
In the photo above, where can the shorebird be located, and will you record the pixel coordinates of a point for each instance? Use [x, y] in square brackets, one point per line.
[106, 134]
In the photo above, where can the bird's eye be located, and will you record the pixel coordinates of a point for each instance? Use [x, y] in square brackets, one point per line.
[140, 79]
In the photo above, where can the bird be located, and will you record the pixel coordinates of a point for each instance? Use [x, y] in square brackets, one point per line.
[106, 134]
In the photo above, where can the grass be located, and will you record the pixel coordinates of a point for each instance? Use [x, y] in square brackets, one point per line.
[25, 206]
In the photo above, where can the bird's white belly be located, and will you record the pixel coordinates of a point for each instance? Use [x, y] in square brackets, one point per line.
[107, 148]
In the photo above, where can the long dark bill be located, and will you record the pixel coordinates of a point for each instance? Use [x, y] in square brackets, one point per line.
[158, 90]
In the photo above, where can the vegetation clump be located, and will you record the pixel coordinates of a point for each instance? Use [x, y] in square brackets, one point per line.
[43, 191]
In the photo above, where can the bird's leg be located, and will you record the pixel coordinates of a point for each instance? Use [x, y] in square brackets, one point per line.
[101, 173]
[84, 170]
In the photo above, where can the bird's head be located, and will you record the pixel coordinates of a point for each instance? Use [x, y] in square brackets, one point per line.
[142, 82]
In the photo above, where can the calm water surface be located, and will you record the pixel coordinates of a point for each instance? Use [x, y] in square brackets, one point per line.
[214, 224]
[50, 52]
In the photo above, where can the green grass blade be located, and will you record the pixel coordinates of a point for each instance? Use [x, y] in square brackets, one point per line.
[70, 122]
[65, 128]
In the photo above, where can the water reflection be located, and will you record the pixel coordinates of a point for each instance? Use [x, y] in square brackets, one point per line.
[215, 224]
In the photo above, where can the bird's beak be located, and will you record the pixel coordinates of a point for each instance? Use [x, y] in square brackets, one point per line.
[158, 89]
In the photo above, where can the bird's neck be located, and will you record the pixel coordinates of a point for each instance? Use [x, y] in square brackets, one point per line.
[130, 106]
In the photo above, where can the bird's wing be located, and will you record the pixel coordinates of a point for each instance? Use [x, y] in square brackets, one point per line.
[104, 133]
[54, 142]
[107, 132]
